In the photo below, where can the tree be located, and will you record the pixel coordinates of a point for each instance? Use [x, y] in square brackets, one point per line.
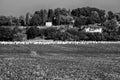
[66, 20]
[94, 17]
[92, 14]
[62, 16]
[4, 21]
[50, 15]
[102, 16]
[32, 32]
[50, 31]
[57, 16]
[111, 26]
[22, 21]
[15, 21]
[110, 15]
[18, 34]
[69, 12]
[44, 16]
[64, 12]
[85, 11]
[6, 34]
[117, 15]
[27, 18]
[95, 37]
[35, 20]
[80, 21]
[10, 20]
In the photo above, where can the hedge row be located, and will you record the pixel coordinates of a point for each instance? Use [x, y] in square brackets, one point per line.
[70, 34]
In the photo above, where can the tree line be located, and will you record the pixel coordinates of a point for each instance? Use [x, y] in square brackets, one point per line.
[58, 16]
[62, 16]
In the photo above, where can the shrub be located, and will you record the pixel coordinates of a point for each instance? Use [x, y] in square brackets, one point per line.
[63, 36]
[6, 34]
[19, 37]
[78, 35]
[49, 32]
[42, 33]
[95, 36]
[19, 34]
[73, 31]
[4, 21]
[32, 32]
[83, 36]
[112, 37]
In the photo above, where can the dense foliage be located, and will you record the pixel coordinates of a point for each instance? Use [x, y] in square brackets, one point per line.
[61, 17]
[32, 32]
[6, 34]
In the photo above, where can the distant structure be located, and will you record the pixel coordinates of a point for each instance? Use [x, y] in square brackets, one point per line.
[48, 24]
[93, 29]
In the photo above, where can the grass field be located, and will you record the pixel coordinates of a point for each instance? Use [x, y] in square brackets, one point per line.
[60, 62]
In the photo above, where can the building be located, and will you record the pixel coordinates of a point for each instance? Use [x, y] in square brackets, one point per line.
[48, 24]
[93, 29]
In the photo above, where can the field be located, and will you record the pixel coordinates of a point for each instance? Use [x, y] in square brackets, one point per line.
[60, 62]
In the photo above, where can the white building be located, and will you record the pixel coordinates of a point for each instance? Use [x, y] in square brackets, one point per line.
[93, 29]
[48, 24]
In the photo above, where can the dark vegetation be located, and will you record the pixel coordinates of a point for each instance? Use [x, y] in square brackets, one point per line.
[78, 18]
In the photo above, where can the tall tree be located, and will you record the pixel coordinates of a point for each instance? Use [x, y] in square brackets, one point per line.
[35, 20]
[10, 20]
[45, 13]
[27, 18]
[50, 15]
[22, 21]
[57, 16]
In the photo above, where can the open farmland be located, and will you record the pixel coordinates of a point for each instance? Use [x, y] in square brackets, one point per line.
[60, 62]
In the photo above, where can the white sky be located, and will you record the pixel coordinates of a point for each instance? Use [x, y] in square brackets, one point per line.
[20, 7]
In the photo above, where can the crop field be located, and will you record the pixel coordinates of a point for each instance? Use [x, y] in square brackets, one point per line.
[60, 62]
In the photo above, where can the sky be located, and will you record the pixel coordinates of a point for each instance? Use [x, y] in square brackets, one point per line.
[21, 7]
